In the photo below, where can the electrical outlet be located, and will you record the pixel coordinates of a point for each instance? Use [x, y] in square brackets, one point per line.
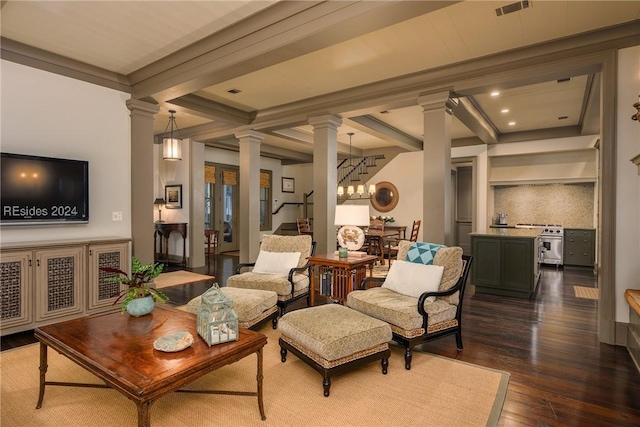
[116, 216]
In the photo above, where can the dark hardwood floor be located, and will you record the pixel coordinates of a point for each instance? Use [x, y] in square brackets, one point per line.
[561, 375]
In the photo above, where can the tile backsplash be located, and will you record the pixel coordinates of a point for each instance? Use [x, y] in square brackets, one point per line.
[570, 205]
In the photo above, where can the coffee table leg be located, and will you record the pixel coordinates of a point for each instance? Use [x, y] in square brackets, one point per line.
[144, 420]
[259, 378]
[43, 372]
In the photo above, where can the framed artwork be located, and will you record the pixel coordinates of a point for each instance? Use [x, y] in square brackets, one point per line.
[288, 185]
[173, 196]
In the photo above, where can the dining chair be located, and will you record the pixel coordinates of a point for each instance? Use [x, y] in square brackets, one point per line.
[392, 243]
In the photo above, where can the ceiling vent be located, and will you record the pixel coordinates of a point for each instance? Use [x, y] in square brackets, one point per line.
[234, 91]
[513, 7]
[565, 80]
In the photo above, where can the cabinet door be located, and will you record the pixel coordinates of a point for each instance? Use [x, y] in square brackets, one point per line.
[517, 265]
[100, 292]
[487, 271]
[60, 278]
[15, 289]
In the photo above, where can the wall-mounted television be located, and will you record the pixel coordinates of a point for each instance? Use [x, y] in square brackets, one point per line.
[43, 190]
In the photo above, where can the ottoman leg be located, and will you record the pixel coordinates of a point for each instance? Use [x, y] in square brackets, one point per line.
[326, 384]
[407, 358]
[274, 322]
[283, 354]
[385, 364]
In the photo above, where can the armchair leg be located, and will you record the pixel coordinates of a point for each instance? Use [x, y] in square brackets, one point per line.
[274, 322]
[407, 358]
[459, 340]
[385, 365]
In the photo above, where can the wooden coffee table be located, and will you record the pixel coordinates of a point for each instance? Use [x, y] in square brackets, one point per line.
[119, 350]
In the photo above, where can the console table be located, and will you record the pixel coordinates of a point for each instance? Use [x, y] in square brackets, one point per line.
[164, 230]
[346, 273]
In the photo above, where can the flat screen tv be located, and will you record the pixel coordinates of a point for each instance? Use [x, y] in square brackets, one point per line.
[43, 190]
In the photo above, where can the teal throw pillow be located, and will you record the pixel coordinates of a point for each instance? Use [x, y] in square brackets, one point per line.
[422, 252]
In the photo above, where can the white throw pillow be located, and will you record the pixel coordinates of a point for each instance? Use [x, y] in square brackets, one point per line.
[276, 262]
[413, 279]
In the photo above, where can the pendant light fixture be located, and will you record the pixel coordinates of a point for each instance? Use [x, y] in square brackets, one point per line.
[351, 189]
[172, 146]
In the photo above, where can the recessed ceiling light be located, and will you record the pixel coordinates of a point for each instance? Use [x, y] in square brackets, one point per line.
[512, 123]
[495, 93]
[504, 110]
[234, 91]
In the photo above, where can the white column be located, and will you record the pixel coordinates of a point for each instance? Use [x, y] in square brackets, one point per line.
[142, 178]
[437, 217]
[325, 163]
[249, 210]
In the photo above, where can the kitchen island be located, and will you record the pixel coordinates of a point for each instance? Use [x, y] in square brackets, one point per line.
[506, 261]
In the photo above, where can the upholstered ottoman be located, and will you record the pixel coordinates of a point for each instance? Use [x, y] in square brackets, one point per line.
[253, 306]
[332, 338]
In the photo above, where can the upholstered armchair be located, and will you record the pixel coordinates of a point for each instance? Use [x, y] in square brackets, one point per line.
[281, 266]
[420, 303]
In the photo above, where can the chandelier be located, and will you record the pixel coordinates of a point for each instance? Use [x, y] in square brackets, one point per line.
[350, 170]
[172, 146]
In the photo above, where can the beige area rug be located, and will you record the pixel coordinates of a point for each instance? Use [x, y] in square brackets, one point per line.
[437, 391]
[180, 277]
[585, 292]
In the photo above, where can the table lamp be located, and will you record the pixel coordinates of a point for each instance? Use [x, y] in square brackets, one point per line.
[350, 235]
[159, 202]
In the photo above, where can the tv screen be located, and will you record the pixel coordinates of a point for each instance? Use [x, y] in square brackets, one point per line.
[43, 190]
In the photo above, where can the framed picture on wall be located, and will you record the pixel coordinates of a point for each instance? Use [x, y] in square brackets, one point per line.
[173, 196]
[288, 185]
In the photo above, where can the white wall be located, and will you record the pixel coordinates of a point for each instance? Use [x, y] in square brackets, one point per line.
[627, 181]
[45, 114]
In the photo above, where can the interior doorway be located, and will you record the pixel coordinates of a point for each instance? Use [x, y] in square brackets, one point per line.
[221, 204]
[463, 222]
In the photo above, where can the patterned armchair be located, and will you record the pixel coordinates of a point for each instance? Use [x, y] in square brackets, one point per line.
[427, 316]
[274, 270]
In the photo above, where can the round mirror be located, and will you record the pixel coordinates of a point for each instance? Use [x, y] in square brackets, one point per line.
[386, 197]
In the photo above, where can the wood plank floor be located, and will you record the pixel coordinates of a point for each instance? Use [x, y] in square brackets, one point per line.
[561, 375]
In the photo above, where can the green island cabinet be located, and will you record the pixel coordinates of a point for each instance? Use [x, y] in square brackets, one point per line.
[579, 247]
[506, 262]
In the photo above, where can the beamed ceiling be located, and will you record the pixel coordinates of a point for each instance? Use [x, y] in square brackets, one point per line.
[229, 66]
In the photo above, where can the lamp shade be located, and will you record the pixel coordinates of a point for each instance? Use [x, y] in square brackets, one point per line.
[171, 149]
[159, 201]
[352, 215]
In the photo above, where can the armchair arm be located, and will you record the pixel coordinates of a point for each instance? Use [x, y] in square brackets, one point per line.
[244, 265]
[370, 282]
[307, 266]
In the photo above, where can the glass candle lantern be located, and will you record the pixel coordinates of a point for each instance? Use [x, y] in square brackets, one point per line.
[217, 321]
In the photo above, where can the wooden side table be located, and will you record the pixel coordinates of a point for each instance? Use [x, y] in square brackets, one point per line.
[346, 273]
[164, 230]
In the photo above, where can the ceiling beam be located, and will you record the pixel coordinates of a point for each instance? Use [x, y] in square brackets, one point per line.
[381, 130]
[206, 108]
[471, 116]
[266, 150]
[539, 134]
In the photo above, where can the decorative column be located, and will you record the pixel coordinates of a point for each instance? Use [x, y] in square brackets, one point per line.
[249, 211]
[196, 202]
[325, 176]
[437, 212]
[142, 178]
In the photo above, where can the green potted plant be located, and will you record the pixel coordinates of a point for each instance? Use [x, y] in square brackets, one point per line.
[138, 297]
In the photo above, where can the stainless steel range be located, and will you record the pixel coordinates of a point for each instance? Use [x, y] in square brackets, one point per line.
[551, 239]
